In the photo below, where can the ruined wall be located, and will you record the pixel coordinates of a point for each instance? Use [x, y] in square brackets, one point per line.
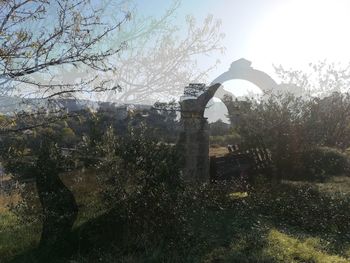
[194, 139]
[195, 144]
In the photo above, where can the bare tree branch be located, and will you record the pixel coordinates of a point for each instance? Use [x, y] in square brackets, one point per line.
[36, 36]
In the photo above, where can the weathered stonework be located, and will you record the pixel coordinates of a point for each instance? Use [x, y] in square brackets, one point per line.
[195, 136]
[194, 139]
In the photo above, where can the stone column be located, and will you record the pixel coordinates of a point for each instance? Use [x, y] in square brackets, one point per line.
[195, 142]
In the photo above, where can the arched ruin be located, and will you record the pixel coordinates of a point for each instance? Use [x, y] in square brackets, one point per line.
[195, 136]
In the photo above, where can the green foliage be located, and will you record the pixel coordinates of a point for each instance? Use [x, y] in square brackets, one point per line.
[27, 210]
[278, 247]
[285, 248]
[305, 207]
[273, 224]
[219, 128]
[16, 236]
[322, 162]
[224, 140]
[151, 215]
[295, 129]
[142, 178]
[68, 136]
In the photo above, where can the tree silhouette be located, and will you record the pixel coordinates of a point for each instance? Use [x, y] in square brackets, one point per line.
[39, 36]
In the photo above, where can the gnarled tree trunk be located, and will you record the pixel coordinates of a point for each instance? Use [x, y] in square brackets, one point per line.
[58, 205]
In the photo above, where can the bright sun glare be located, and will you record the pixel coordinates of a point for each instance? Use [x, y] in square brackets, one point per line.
[302, 31]
[295, 33]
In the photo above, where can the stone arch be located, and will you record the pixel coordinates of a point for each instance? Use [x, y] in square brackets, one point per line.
[195, 136]
[219, 95]
[241, 69]
[217, 109]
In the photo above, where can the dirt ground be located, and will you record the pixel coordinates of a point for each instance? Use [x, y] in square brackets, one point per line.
[218, 151]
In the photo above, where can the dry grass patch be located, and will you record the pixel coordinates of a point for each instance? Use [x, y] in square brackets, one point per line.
[218, 151]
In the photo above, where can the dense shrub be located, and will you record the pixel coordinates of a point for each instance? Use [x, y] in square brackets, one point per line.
[141, 177]
[304, 207]
[296, 131]
[219, 128]
[322, 162]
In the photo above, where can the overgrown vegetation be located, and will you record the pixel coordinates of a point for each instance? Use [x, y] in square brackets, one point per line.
[306, 136]
[107, 186]
[135, 207]
[288, 223]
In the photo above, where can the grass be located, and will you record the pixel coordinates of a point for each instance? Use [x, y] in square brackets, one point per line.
[288, 223]
[15, 237]
[339, 185]
[285, 248]
[277, 247]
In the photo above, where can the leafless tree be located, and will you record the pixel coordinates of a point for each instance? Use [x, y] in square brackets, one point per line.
[158, 65]
[320, 79]
[37, 37]
[162, 57]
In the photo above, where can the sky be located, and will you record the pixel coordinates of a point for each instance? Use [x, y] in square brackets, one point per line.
[291, 33]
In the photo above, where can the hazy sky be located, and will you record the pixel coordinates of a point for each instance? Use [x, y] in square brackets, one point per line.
[288, 32]
[292, 33]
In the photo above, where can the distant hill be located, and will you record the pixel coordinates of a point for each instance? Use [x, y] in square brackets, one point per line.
[9, 105]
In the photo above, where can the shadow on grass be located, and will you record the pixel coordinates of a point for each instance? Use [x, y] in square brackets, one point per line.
[276, 223]
[98, 234]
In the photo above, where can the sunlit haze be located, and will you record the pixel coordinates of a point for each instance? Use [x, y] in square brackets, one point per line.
[291, 33]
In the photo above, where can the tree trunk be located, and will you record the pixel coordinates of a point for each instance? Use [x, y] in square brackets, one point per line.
[58, 206]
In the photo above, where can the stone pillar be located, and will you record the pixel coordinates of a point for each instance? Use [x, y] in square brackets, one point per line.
[195, 142]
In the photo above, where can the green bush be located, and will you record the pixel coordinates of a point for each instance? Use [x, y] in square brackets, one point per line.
[295, 131]
[304, 207]
[322, 162]
[141, 178]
